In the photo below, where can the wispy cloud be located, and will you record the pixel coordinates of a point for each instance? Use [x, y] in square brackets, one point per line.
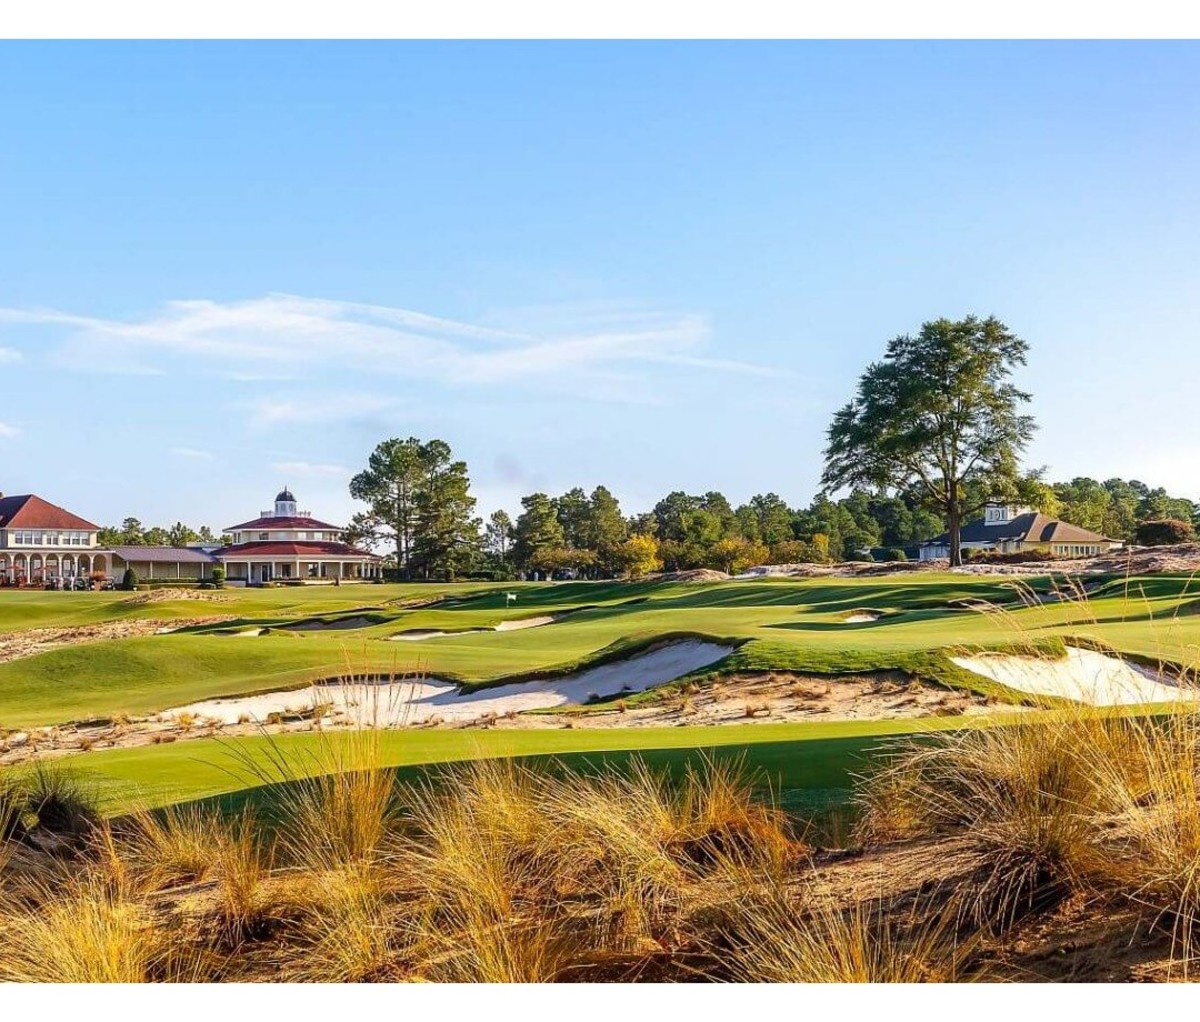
[7, 432]
[10, 355]
[309, 468]
[317, 408]
[193, 453]
[279, 336]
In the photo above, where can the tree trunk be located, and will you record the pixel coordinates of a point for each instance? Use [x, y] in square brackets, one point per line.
[954, 527]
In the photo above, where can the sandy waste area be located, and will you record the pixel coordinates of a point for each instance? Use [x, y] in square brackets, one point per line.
[420, 700]
[420, 634]
[1083, 675]
[31, 641]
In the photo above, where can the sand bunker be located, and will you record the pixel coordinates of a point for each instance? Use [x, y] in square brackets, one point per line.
[404, 702]
[420, 634]
[525, 622]
[1083, 675]
[861, 617]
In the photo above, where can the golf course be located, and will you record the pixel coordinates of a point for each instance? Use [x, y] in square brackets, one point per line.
[93, 664]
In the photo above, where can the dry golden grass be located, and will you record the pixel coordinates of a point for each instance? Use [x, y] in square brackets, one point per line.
[79, 933]
[240, 869]
[351, 931]
[175, 846]
[777, 941]
[1020, 791]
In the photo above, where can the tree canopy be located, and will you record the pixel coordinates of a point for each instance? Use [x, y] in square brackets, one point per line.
[939, 417]
[419, 502]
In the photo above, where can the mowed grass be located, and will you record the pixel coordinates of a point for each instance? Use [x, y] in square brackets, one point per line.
[777, 624]
[797, 763]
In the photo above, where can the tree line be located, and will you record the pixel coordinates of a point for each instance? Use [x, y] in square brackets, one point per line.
[935, 430]
[131, 532]
[421, 508]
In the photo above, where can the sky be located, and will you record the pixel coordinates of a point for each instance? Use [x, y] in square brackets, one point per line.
[227, 267]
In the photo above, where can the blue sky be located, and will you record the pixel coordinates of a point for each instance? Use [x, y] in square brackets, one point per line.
[657, 266]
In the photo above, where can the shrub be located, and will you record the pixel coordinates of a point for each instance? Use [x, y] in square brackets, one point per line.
[1164, 532]
[1015, 557]
[892, 553]
[129, 580]
[218, 577]
[60, 802]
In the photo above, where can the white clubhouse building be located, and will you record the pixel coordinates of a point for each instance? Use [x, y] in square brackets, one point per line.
[40, 541]
[289, 544]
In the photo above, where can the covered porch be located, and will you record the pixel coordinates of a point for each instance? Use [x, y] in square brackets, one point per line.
[255, 571]
[35, 567]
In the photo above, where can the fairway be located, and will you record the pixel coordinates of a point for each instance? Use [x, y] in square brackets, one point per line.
[778, 625]
[910, 623]
[800, 763]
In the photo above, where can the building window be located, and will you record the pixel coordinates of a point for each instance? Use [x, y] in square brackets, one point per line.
[264, 535]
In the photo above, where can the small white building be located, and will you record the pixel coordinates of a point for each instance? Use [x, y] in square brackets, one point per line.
[287, 544]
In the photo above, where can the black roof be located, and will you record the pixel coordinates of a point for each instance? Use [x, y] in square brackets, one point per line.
[1032, 527]
[285, 494]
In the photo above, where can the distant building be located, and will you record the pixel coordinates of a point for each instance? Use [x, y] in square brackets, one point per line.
[1008, 529]
[40, 541]
[290, 544]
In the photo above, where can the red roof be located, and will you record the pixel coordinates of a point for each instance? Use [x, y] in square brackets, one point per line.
[31, 512]
[283, 523]
[240, 551]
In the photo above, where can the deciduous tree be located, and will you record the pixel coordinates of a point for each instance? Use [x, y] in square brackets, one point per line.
[938, 413]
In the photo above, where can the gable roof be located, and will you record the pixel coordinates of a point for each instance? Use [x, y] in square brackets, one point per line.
[1030, 527]
[29, 511]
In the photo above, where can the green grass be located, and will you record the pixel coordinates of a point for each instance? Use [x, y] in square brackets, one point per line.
[775, 624]
[780, 624]
[818, 760]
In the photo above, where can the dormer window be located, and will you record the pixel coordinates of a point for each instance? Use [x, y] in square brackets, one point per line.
[998, 513]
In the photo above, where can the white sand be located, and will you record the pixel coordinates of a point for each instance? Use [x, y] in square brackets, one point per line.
[416, 702]
[420, 634]
[525, 622]
[424, 633]
[861, 617]
[1083, 675]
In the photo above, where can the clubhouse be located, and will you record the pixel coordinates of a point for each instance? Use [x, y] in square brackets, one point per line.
[40, 542]
[1007, 529]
